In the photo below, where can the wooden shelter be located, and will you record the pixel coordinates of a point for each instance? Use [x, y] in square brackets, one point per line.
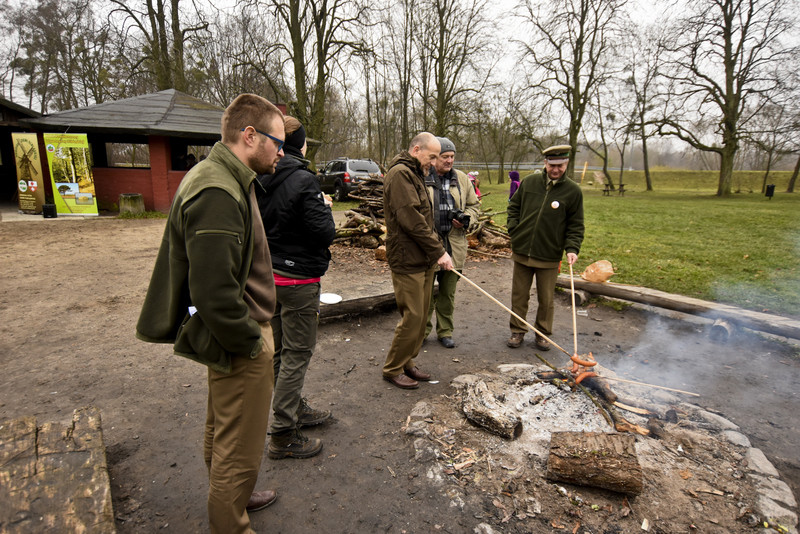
[167, 122]
[10, 116]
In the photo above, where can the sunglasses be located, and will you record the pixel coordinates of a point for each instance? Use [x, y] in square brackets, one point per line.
[278, 142]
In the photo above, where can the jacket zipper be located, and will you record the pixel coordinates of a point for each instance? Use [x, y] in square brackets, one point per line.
[222, 232]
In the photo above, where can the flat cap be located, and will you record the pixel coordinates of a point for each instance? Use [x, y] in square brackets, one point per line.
[557, 154]
[447, 145]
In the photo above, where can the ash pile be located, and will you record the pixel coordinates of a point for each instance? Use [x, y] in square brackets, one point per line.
[365, 226]
[521, 453]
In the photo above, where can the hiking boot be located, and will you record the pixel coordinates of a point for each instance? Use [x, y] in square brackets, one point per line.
[293, 444]
[515, 340]
[308, 416]
[541, 343]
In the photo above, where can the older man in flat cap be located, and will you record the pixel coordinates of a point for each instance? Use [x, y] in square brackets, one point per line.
[455, 207]
[545, 219]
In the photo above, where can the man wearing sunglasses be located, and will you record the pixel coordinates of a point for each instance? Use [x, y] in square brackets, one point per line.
[212, 294]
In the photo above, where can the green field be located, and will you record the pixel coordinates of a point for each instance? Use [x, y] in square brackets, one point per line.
[742, 250]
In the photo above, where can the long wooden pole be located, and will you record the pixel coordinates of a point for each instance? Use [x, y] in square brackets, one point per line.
[574, 320]
[476, 286]
[529, 325]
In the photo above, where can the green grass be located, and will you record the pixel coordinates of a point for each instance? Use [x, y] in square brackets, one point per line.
[143, 215]
[743, 250]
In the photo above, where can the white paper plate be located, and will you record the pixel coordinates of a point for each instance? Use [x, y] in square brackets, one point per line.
[330, 298]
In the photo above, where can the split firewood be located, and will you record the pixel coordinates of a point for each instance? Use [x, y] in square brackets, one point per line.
[482, 408]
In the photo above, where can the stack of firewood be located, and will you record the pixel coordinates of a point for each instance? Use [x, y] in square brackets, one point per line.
[361, 231]
[365, 226]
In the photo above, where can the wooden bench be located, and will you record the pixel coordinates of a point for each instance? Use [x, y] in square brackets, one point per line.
[606, 190]
[621, 190]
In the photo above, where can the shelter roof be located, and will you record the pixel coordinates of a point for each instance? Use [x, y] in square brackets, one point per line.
[21, 111]
[168, 113]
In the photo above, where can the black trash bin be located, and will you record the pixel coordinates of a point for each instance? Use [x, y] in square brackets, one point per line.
[770, 191]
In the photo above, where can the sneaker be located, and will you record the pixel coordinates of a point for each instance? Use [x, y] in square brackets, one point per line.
[293, 444]
[308, 416]
[515, 340]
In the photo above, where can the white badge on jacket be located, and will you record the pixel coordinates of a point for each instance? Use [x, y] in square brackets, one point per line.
[554, 204]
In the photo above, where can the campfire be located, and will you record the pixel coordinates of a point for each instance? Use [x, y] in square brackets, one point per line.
[536, 454]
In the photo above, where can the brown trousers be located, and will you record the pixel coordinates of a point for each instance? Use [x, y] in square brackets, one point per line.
[521, 294]
[236, 430]
[413, 295]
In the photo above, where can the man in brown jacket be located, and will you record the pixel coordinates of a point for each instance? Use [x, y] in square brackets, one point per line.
[413, 250]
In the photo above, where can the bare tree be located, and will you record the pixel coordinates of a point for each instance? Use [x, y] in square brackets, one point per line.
[569, 52]
[726, 67]
[321, 36]
[158, 25]
[454, 46]
[643, 51]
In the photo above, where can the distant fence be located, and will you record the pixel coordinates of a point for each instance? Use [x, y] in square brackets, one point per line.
[527, 165]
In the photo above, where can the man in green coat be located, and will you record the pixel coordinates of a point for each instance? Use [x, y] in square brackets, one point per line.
[212, 295]
[455, 207]
[545, 219]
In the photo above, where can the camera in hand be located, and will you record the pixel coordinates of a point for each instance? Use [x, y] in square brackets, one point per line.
[460, 216]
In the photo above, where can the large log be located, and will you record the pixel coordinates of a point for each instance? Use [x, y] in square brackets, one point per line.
[482, 408]
[763, 322]
[596, 459]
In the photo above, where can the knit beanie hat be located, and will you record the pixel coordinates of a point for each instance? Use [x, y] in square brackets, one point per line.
[447, 145]
[514, 175]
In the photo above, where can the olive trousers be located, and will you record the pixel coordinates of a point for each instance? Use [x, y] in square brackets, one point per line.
[521, 293]
[413, 295]
[444, 304]
[235, 434]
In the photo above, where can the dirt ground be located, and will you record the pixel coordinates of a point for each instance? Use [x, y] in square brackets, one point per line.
[71, 292]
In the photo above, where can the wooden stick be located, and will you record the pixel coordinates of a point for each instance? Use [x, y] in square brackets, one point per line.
[529, 325]
[574, 320]
[650, 385]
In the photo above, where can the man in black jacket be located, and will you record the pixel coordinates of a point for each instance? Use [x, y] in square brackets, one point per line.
[299, 226]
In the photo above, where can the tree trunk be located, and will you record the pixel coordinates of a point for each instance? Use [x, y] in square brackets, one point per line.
[646, 163]
[726, 170]
[596, 459]
[766, 174]
[793, 179]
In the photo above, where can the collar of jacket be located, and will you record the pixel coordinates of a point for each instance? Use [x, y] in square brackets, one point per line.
[432, 179]
[404, 158]
[285, 167]
[223, 155]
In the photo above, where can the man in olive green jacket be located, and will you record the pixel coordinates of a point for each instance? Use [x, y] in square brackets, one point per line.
[413, 250]
[455, 208]
[212, 295]
[545, 219]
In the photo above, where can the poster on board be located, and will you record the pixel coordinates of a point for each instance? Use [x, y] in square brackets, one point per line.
[70, 162]
[30, 185]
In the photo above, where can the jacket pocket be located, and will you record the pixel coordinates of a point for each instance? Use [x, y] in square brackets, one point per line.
[195, 339]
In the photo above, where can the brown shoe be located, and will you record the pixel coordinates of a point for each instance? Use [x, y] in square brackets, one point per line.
[293, 444]
[261, 499]
[515, 340]
[541, 343]
[416, 374]
[402, 381]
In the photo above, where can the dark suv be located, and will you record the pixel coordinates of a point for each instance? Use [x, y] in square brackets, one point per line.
[341, 176]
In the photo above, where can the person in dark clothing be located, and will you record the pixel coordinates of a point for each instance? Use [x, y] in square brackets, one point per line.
[299, 226]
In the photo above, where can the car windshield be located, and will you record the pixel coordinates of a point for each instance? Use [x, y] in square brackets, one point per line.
[364, 166]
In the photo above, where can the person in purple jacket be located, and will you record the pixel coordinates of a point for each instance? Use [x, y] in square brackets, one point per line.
[514, 177]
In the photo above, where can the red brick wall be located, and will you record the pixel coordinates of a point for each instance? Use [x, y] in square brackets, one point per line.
[110, 183]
